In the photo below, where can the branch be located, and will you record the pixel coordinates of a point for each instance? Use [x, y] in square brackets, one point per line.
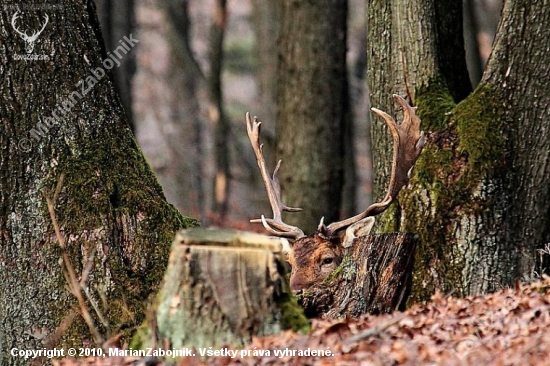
[74, 285]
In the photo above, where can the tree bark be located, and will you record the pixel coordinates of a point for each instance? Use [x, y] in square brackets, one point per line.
[222, 287]
[266, 23]
[222, 176]
[375, 277]
[312, 108]
[61, 116]
[517, 75]
[471, 42]
[402, 58]
[186, 171]
[118, 19]
[479, 203]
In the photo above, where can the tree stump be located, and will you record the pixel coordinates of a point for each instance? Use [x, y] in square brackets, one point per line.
[222, 287]
[375, 276]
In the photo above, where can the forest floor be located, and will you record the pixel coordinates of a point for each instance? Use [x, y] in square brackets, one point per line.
[509, 327]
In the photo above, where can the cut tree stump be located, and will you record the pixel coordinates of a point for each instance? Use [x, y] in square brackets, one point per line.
[374, 277]
[222, 287]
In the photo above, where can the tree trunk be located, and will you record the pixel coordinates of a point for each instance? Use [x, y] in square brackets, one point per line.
[61, 116]
[515, 80]
[479, 203]
[266, 21]
[222, 287]
[186, 170]
[217, 115]
[312, 108]
[375, 277]
[471, 42]
[402, 58]
[118, 19]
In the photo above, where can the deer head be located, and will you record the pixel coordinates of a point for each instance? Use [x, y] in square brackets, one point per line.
[314, 258]
[29, 40]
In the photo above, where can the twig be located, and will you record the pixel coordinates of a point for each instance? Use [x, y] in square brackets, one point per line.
[83, 280]
[376, 330]
[74, 284]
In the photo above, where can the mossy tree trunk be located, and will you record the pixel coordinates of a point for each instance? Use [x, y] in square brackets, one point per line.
[111, 210]
[479, 201]
[311, 108]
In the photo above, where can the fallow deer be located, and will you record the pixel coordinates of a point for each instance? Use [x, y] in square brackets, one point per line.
[314, 258]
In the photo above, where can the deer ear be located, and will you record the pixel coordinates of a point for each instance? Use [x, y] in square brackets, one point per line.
[286, 247]
[360, 228]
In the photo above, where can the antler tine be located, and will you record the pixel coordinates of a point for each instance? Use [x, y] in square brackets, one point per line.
[408, 142]
[276, 225]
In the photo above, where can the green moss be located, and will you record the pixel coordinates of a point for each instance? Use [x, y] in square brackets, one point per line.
[480, 133]
[434, 102]
[346, 270]
[337, 272]
[142, 338]
[465, 147]
[109, 185]
[389, 220]
[293, 315]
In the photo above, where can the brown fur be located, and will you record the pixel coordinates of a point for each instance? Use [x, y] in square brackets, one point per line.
[310, 257]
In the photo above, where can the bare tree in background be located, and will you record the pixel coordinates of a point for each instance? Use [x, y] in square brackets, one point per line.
[189, 80]
[193, 95]
[480, 25]
[266, 18]
[218, 118]
[117, 19]
[312, 108]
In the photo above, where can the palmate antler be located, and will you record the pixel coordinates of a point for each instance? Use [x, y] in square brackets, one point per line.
[275, 226]
[408, 142]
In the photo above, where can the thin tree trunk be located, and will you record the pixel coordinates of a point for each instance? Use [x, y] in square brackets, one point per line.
[349, 188]
[407, 56]
[266, 21]
[64, 118]
[117, 19]
[471, 34]
[221, 124]
[188, 82]
[312, 108]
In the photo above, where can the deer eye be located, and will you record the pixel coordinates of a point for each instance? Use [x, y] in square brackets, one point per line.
[328, 260]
